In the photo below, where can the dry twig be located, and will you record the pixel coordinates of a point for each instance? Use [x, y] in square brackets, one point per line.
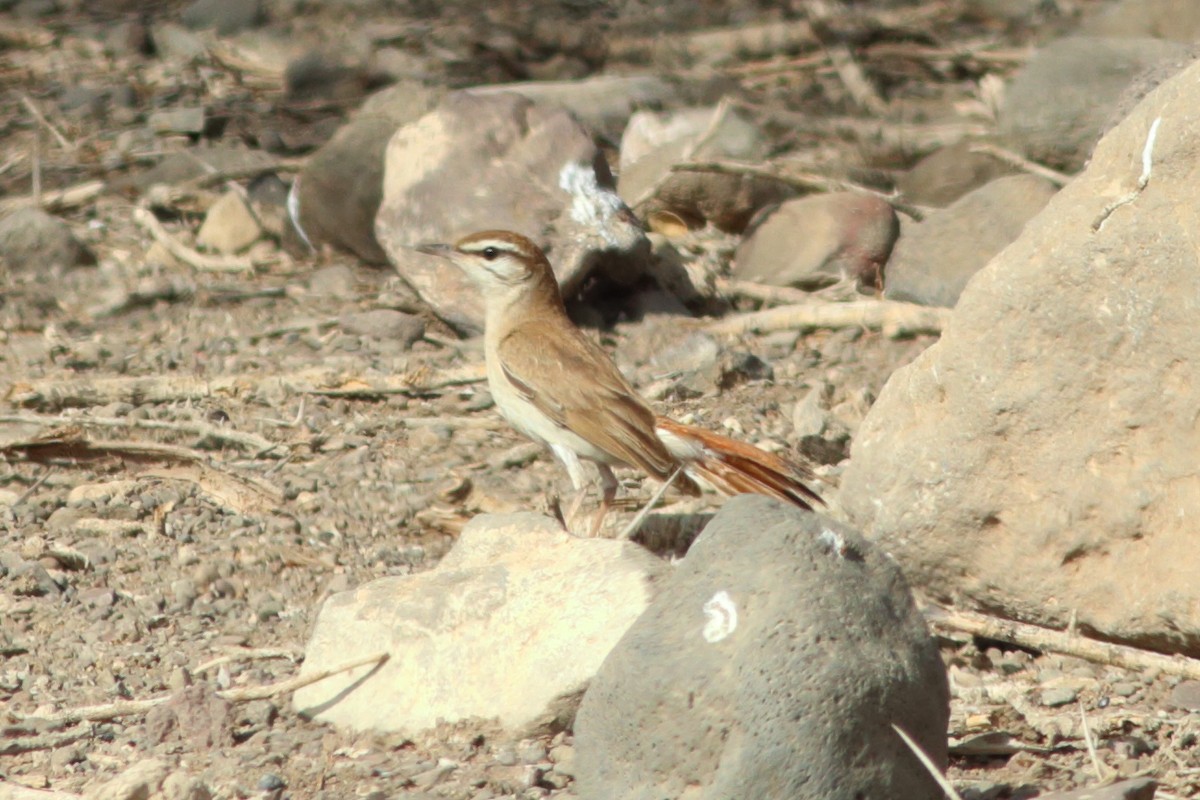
[71, 446]
[57, 199]
[44, 741]
[52, 394]
[125, 708]
[1020, 162]
[774, 295]
[62, 140]
[247, 654]
[205, 263]
[894, 319]
[806, 182]
[1048, 640]
[891, 136]
[247, 441]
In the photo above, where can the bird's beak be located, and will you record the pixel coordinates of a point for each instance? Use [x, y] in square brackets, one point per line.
[434, 249]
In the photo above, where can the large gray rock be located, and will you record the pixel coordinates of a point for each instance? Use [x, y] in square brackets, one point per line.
[486, 161]
[32, 239]
[771, 664]
[1056, 107]
[511, 625]
[1039, 461]
[1177, 20]
[818, 240]
[338, 192]
[936, 257]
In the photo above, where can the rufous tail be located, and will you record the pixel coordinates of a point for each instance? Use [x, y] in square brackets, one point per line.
[733, 467]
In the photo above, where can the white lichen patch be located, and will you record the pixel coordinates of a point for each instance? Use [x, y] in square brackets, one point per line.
[721, 617]
[592, 206]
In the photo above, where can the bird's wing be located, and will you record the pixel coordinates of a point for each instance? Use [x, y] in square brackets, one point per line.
[597, 404]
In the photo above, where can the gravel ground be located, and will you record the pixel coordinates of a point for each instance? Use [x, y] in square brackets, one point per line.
[130, 576]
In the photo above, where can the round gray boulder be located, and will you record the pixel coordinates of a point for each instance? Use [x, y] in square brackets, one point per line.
[772, 663]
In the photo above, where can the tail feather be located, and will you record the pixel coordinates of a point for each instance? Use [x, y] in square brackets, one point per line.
[733, 467]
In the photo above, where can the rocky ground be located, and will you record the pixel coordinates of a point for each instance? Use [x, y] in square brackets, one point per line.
[306, 424]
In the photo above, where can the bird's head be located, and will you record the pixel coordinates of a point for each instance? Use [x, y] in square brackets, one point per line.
[506, 266]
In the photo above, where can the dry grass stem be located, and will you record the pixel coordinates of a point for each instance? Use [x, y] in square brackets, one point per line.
[947, 787]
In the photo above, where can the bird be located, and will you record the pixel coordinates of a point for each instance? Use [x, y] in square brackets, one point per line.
[557, 386]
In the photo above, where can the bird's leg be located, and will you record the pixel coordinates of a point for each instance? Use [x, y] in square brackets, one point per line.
[579, 479]
[608, 486]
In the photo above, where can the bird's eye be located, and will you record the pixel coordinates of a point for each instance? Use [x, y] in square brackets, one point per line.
[490, 253]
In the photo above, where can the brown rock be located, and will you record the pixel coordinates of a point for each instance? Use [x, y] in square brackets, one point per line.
[229, 226]
[384, 323]
[818, 240]
[947, 174]
[500, 161]
[653, 143]
[1186, 695]
[1039, 461]
[195, 716]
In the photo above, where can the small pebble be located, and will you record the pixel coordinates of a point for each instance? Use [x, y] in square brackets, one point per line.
[270, 782]
[1186, 695]
[1059, 697]
[531, 751]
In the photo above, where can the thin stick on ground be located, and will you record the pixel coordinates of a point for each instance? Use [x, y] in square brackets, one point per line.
[894, 319]
[299, 682]
[1020, 162]
[45, 741]
[125, 708]
[244, 654]
[1048, 640]
[205, 263]
[56, 199]
[804, 181]
[51, 394]
[247, 441]
[63, 142]
[636, 523]
[775, 295]
[213, 176]
[927, 763]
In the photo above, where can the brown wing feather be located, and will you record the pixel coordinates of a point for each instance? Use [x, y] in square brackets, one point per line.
[602, 408]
